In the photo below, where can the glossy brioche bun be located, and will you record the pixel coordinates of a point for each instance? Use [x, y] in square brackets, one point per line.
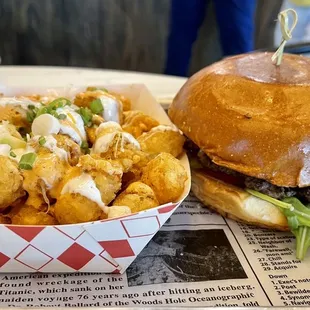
[235, 203]
[252, 116]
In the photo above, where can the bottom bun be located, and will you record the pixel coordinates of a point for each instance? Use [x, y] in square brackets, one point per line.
[235, 203]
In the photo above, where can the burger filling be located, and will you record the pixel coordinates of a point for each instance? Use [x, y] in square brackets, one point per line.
[262, 186]
[236, 178]
[293, 202]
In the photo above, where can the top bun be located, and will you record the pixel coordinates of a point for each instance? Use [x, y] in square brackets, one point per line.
[252, 116]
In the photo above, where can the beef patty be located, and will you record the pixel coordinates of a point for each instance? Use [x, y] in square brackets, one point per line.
[256, 184]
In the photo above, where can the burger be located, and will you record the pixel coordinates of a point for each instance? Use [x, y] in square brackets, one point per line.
[247, 122]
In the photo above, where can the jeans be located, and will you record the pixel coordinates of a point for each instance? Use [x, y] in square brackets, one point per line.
[235, 22]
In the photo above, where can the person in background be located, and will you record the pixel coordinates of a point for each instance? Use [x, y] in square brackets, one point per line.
[301, 32]
[235, 20]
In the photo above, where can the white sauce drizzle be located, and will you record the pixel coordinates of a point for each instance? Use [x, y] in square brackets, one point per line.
[4, 128]
[110, 109]
[108, 125]
[5, 149]
[51, 144]
[163, 128]
[85, 186]
[48, 185]
[73, 117]
[23, 102]
[103, 143]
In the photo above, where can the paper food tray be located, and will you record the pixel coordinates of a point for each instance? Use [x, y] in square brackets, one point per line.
[108, 246]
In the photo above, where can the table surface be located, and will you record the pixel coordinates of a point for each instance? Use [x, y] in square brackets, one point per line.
[161, 86]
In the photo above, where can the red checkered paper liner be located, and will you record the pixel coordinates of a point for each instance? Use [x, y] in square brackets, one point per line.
[107, 246]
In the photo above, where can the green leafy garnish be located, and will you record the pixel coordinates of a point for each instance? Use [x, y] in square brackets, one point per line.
[62, 116]
[51, 108]
[58, 103]
[298, 218]
[12, 154]
[27, 160]
[96, 106]
[302, 235]
[54, 113]
[41, 111]
[86, 115]
[85, 147]
[42, 141]
[30, 115]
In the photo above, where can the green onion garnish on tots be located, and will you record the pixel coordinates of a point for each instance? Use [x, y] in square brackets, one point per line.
[27, 161]
[86, 115]
[96, 106]
[50, 108]
[42, 141]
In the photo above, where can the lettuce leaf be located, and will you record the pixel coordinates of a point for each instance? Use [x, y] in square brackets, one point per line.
[298, 218]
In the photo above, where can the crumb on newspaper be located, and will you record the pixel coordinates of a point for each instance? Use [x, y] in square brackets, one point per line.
[85, 159]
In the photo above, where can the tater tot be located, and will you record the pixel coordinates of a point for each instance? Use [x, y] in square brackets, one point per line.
[112, 105]
[11, 182]
[26, 215]
[73, 208]
[162, 139]
[136, 123]
[91, 134]
[166, 176]
[4, 220]
[84, 99]
[15, 115]
[106, 174]
[73, 149]
[118, 211]
[138, 197]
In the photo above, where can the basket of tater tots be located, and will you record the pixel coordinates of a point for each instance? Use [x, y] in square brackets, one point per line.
[87, 177]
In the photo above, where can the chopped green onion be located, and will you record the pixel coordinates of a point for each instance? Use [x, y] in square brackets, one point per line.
[27, 160]
[41, 111]
[58, 103]
[30, 115]
[96, 106]
[31, 107]
[42, 141]
[54, 113]
[62, 116]
[84, 145]
[86, 115]
[12, 154]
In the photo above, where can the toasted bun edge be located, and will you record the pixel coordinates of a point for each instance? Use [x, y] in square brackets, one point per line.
[235, 203]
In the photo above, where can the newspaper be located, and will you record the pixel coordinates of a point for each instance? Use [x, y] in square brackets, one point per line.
[197, 259]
